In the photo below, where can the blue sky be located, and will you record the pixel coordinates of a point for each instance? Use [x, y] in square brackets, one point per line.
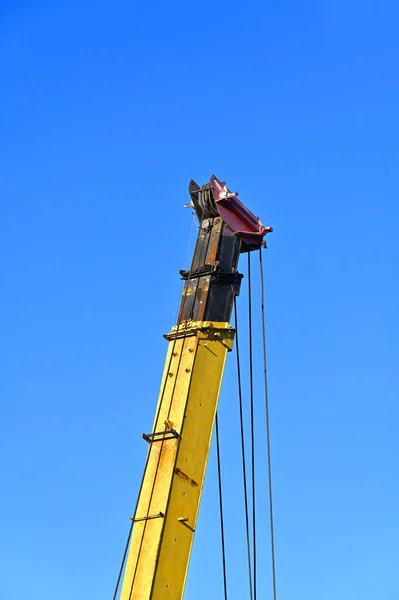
[107, 110]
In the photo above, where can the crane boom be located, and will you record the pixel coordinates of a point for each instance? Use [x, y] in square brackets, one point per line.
[168, 503]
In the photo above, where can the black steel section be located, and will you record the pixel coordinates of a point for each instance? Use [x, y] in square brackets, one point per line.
[189, 304]
[220, 301]
[213, 280]
[229, 251]
[208, 240]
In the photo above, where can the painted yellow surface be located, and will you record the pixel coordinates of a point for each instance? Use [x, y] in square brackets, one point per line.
[160, 546]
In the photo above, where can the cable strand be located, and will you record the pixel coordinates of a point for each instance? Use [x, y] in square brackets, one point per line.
[221, 506]
[244, 468]
[251, 391]
[169, 410]
[123, 562]
[268, 442]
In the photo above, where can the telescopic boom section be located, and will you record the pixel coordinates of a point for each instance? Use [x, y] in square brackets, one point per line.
[168, 503]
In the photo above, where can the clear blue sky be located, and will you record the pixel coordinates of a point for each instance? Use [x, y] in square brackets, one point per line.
[107, 110]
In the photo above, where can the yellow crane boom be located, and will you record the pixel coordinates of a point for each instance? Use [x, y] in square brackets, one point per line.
[166, 514]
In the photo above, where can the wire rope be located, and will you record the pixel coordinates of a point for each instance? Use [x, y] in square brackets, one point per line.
[244, 469]
[169, 410]
[221, 506]
[251, 392]
[268, 442]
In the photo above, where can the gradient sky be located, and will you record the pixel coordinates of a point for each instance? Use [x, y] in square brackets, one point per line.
[107, 110]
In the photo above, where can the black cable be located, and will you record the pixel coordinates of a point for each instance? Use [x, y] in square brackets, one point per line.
[251, 389]
[169, 409]
[269, 461]
[123, 561]
[162, 442]
[141, 487]
[159, 455]
[244, 468]
[221, 507]
[143, 476]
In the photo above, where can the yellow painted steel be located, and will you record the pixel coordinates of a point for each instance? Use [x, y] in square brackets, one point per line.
[169, 500]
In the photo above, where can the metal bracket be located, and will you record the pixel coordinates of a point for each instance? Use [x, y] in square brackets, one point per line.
[161, 436]
[200, 272]
[186, 477]
[216, 275]
[160, 514]
[183, 521]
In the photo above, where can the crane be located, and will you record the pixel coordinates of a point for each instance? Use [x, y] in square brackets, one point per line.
[163, 525]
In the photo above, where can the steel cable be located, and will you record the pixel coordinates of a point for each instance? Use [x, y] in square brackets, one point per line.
[140, 489]
[269, 461]
[123, 561]
[244, 469]
[221, 506]
[251, 391]
[149, 451]
[168, 415]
